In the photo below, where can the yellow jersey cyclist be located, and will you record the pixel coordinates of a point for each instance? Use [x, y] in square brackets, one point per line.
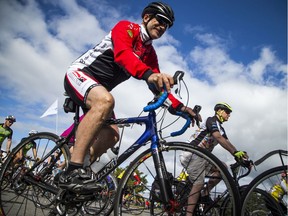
[278, 191]
[6, 132]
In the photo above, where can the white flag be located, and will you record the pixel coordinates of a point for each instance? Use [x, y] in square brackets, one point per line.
[52, 110]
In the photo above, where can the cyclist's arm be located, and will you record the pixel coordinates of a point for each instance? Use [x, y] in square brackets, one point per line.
[225, 143]
[124, 35]
[8, 146]
[34, 152]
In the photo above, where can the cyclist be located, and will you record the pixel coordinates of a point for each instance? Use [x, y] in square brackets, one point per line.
[210, 133]
[23, 152]
[6, 132]
[278, 191]
[126, 51]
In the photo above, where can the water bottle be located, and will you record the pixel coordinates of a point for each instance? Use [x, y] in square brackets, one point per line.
[104, 159]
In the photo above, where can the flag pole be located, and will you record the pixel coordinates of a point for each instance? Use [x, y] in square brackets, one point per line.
[57, 119]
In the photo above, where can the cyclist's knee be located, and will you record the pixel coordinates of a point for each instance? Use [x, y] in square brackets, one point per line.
[100, 99]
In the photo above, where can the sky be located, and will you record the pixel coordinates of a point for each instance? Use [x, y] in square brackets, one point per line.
[230, 51]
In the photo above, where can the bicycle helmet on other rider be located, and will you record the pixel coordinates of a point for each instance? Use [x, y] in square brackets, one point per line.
[162, 10]
[284, 175]
[223, 106]
[11, 118]
[32, 132]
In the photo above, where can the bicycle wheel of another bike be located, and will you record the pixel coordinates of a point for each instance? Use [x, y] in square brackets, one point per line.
[144, 165]
[257, 199]
[27, 185]
[102, 204]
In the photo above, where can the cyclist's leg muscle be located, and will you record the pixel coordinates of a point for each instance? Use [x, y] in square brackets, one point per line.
[107, 138]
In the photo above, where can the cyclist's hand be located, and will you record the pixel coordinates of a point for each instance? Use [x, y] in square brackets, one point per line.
[192, 114]
[161, 79]
[240, 155]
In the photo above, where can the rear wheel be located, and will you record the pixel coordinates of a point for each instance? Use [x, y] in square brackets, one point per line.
[27, 185]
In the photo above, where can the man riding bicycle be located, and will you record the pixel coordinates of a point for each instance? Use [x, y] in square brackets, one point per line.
[210, 133]
[6, 132]
[126, 51]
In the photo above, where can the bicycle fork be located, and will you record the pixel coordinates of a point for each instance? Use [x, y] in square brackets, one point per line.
[163, 176]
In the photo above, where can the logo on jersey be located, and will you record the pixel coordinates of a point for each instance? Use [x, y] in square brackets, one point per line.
[130, 33]
[79, 76]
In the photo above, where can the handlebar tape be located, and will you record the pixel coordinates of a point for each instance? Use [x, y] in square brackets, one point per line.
[157, 103]
[186, 125]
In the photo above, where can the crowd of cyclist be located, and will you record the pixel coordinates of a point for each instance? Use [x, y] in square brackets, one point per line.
[92, 72]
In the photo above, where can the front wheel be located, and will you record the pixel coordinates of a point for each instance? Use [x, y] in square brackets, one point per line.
[257, 199]
[145, 167]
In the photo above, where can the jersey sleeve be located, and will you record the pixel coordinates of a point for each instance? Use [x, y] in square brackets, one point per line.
[211, 125]
[124, 34]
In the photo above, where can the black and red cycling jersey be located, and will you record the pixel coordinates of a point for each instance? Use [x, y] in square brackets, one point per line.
[126, 51]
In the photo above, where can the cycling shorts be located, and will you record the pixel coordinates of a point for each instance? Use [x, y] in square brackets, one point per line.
[77, 85]
[197, 167]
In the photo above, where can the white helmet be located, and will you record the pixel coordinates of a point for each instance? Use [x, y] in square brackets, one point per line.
[32, 132]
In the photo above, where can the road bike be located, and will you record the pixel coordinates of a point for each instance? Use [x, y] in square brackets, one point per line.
[257, 199]
[159, 158]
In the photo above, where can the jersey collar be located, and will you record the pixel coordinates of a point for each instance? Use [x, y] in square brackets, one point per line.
[145, 36]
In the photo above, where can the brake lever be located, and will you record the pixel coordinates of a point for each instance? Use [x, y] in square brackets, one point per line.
[178, 76]
[196, 110]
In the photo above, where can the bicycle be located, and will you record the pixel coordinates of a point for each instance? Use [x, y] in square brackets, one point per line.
[257, 199]
[158, 155]
[220, 202]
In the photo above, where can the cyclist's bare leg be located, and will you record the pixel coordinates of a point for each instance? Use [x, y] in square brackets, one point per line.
[106, 139]
[100, 103]
[193, 198]
[212, 182]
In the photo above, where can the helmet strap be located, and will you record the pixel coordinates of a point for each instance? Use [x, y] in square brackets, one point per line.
[151, 16]
[219, 115]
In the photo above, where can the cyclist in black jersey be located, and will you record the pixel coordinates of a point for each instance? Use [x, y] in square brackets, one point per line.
[6, 132]
[210, 133]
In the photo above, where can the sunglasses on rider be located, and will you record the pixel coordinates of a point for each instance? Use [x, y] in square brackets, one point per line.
[162, 21]
[227, 111]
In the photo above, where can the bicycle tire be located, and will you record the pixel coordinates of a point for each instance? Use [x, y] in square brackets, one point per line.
[145, 165]
[30, 190]
[256, 195]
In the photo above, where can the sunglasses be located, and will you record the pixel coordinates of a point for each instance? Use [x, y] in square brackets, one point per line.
[227, 112]
[162, 21]
[10, 121]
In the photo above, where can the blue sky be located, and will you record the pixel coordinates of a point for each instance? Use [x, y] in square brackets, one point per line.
[232, 51]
